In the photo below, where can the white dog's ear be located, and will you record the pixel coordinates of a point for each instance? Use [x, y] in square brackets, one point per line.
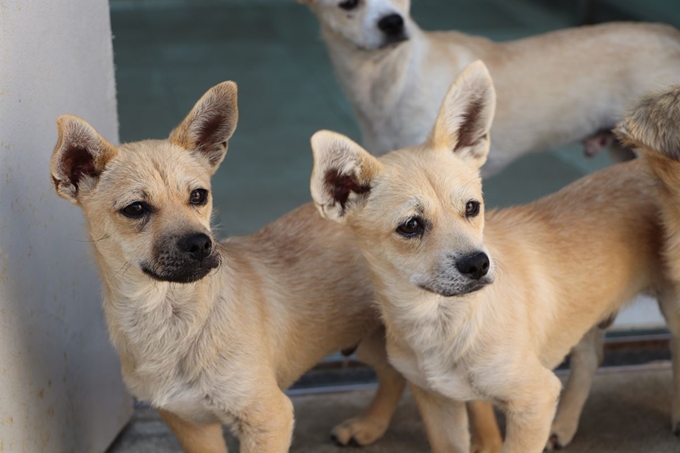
[208, 127]
[464, 122]
[78, 158]
[342, 175]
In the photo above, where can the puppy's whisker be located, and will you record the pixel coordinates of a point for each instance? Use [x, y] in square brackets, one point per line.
[94, 241]
[216, 227]
[216, 270]
[124, 268]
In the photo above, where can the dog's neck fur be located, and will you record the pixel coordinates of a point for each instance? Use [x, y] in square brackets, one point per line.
[424, 320]
[374, 80]
[390, 94]
[431, 338]
[157, 326]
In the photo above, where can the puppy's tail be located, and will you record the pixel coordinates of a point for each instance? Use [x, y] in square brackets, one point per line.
[653, 129]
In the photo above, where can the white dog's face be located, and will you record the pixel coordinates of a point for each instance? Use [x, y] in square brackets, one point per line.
[418, 213]
[368, 24]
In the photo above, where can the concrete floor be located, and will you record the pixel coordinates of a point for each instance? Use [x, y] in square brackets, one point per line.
[628, 412]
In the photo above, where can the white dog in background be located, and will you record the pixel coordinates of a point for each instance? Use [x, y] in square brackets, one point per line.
[553, 89]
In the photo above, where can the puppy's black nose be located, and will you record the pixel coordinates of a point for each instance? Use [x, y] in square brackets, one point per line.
[197, 245]
[391, 25]
[475, 265]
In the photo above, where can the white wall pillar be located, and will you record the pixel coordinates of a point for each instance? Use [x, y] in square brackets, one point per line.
[60, 385]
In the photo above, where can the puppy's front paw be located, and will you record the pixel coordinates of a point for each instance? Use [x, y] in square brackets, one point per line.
[560, 437]
[554, 443]
[358, 432]
[675, 418]
[488, 447]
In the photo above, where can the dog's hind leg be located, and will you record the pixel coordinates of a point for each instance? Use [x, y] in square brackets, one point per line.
[195, 438]
[372, 424]
[584, 360]
[668, 302]
[486, 437]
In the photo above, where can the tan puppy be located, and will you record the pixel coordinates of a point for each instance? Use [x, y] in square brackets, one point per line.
[553, 89]
[212, 333]
[483, 307]
[653, 129]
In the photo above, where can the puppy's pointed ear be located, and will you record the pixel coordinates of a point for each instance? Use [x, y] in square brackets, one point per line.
[208, 127]
[78, 158]
[653, 126]
[342, 175]
[464, 122]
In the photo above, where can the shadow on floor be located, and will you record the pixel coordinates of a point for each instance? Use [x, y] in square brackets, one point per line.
[628, 412]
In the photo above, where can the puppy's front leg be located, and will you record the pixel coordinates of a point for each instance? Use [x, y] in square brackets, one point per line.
[445, 421]
[585, 358]
[266, 426]
[530, 411]
[195, 438]
[668, 302]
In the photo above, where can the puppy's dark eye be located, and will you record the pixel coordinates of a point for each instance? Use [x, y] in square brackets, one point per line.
[472, 208]
[411, 228]
[349, 4]
[198, 197]
[136, 210]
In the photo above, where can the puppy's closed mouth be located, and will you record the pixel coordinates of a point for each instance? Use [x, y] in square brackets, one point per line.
[183, 275]
[458, 290]
[394, 41]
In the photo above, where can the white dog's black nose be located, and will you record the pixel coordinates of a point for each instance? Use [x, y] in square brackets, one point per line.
[197, 245]
[475, 265]
[392, 25]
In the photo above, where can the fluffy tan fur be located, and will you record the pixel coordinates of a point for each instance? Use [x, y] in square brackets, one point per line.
[557, 267]
[223, 348]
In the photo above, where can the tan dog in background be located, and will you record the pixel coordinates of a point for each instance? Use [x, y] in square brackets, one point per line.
[553, 89]
[485, 306]
[213, 333]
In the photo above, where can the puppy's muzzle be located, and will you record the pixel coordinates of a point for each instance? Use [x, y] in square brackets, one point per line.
[474, 266]
[393, 27]
[198, 246]
[461, 276]
[183, 259]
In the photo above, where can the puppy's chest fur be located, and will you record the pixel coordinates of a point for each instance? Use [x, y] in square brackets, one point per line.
[431, 345]
[166, 341]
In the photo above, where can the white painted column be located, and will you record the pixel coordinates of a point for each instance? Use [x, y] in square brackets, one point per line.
[60, 384]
